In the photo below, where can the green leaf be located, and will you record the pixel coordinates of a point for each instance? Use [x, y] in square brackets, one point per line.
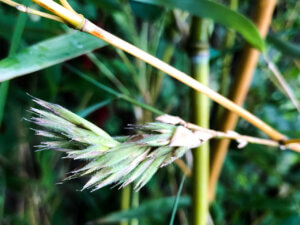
[146, 11]
[48, 53]
[145, 210]
[219, 14]
[16, 38]
[287, 48]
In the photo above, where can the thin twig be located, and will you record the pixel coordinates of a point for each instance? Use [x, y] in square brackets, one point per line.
[242, 139]
[206, 134]
[32, 11]
[282, 82]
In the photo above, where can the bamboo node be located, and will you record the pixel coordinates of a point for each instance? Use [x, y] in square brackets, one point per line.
[80, 26]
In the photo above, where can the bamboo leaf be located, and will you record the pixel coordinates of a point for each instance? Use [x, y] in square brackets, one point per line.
[219, 14]
[48, 53]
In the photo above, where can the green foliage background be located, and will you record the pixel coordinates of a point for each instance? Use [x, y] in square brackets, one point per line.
[259, 185]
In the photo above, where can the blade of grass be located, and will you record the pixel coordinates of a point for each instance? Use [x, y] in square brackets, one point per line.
[16, 38]
[108, 73]
[85, 112]
[130, 67]
[142, 66]
[113, 92]
[177, 201]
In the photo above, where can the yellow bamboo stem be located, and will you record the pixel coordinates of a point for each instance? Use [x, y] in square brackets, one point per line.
[239, 90]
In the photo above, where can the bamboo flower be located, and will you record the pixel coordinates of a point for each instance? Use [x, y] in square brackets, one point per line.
[122, 160]
[109, 161]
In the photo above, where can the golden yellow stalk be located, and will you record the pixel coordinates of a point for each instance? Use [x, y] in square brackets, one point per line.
[239, 90]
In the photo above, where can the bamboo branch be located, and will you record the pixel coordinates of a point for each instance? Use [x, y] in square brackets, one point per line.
[184, 78]
[243, 140]
[79, 22]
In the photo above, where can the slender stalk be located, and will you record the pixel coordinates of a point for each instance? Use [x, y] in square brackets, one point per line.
[199, 57]
[135, 204]
[239, 90]
[25, 9]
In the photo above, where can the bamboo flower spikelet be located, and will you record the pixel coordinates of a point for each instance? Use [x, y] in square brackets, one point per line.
[126, 159]
[110, 160]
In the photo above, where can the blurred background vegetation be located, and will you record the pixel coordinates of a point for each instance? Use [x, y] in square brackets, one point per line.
[258, 184]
